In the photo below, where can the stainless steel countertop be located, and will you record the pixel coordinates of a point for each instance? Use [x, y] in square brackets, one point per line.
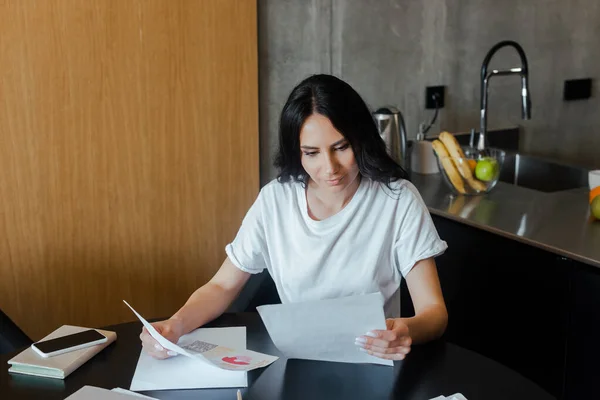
[558, 222]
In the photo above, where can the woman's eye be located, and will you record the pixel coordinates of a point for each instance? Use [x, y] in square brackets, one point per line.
[310, 154]
[343, 147]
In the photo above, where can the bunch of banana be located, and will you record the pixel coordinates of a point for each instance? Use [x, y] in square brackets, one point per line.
[450, 154]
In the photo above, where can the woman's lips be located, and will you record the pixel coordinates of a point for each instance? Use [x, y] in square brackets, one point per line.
[334, 182]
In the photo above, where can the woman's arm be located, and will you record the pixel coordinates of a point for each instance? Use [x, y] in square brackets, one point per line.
[431, 316]
[212, 299]
[204, 305]
[429, 322]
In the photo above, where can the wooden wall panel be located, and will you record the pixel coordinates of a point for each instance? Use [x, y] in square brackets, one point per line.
[128, 153]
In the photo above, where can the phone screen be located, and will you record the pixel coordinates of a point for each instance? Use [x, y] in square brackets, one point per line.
[76, 339]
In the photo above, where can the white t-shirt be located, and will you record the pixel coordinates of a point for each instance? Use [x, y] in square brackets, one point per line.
[366, 247]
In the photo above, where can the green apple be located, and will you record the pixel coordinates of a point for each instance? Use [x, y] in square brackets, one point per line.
[486, 169]
[595, 207]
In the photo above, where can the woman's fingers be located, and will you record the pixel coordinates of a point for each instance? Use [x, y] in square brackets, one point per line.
[387, 356]
[404, 341]
[153, 348]
[157, 351]
[385, 339]
[387, 350]
[390, 344]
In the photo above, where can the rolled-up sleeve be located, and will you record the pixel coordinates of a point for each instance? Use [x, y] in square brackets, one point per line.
[416, 235]
[248, 250]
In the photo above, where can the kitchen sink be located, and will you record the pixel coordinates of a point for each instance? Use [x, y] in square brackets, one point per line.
[541, 174]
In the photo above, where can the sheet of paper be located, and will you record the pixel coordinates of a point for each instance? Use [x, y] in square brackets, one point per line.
[130, 393]
[325, 330]
[182, 372]
[457, 396]
[214, 354]
[95, 393]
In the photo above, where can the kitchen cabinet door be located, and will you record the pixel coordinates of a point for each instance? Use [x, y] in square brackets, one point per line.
[583, 350]
[506, 300]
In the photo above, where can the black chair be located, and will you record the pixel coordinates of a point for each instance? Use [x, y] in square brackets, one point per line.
[11, 336]
[260, 289]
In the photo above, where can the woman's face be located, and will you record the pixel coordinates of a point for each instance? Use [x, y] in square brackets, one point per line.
[326, 155]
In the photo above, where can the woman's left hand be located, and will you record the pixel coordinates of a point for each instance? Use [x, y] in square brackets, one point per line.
[391, 344]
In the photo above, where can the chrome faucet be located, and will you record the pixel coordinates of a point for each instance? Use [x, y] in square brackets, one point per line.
[523, 71]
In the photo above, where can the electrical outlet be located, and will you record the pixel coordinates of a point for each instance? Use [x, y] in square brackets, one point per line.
[430, 92]
[577, 89]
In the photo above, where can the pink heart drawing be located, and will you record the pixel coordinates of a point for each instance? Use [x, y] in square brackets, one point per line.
[237, 360]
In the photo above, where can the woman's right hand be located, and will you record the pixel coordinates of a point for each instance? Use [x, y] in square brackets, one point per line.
[170, 329]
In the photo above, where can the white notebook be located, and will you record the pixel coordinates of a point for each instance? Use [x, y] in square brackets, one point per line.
[28, 362]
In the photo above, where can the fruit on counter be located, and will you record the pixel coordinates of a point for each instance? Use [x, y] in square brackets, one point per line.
[486, 169]
[448, 166]
[595, 207]
[595, 192]
[455, 151]
[472, 164]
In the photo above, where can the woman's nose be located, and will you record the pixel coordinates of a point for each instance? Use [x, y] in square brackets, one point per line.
[332, 164]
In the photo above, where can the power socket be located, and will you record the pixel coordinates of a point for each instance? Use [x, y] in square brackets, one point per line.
[577, 89]
[430, 92]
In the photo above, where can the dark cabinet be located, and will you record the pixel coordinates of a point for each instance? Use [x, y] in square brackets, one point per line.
[506, 300]
[583, 348]
[529, 309]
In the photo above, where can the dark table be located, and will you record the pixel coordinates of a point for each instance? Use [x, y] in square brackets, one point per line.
[429, 371]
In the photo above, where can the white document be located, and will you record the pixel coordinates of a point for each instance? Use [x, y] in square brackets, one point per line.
[125, 391]
[182, 372]
[215, 354]
[325, 330]
[96, 393]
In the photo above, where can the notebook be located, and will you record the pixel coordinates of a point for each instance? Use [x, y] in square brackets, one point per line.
[28, 362]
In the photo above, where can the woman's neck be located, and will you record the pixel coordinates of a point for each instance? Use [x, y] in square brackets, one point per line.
[323, 204]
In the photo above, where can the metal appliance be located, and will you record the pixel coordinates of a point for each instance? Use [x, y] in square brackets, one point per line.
[392, 129]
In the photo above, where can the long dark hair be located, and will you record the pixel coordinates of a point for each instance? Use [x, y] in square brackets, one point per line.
[342, 105]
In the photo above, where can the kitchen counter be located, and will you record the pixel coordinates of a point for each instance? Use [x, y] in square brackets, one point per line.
[558, 222]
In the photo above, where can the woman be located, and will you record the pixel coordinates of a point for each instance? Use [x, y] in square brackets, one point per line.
[340, 219]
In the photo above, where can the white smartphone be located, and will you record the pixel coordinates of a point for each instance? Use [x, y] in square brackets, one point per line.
[65, 344]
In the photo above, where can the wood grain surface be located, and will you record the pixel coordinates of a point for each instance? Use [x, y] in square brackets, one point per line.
[128, 153]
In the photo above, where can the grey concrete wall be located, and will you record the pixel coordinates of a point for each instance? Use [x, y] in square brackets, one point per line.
[391, 50]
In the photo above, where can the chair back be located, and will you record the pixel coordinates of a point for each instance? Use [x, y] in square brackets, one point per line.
[12, 337]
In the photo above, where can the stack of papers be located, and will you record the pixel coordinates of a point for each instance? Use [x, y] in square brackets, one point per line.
[210, 353]
[208, 358]
[182, 372]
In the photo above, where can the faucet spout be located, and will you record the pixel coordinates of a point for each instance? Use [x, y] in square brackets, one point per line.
[522, 71]
[526, 102]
